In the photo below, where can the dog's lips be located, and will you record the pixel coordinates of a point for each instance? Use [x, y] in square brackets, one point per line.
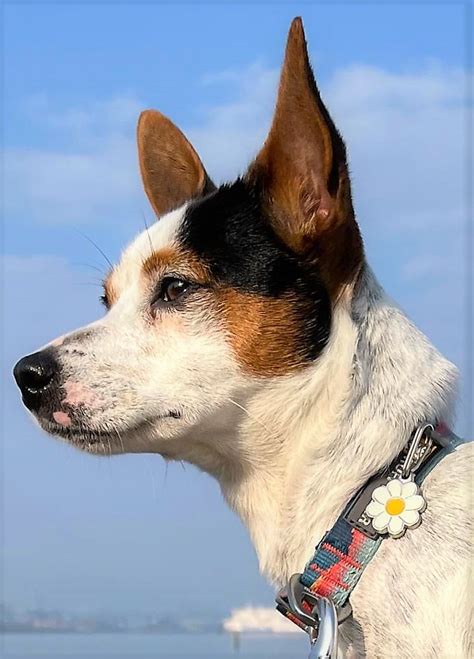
[76, 434]
[80, 435]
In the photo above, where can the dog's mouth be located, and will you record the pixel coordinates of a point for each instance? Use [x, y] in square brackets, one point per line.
[107, 440]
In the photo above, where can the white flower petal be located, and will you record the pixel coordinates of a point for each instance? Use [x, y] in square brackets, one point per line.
[409, 489]
[380, 494]
[395, 488]
[415, 502]
[374, 508]
[410, 517]
[380, 523]
[396, 525]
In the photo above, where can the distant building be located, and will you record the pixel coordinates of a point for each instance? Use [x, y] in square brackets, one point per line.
[258, 619]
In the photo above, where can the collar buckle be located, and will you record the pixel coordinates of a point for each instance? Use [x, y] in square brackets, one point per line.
[315, 614]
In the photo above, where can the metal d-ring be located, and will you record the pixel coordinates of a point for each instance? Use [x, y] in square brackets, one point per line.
[294, 593]
[320, 623]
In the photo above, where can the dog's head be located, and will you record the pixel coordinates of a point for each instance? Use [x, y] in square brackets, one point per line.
[230, 287]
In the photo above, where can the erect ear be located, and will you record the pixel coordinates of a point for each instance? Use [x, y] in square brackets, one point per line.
[171, 170]
[303, 173]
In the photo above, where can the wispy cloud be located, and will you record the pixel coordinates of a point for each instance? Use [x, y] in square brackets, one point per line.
[92, 178]
[54, 187]
[231, 133]
[404, 132]
[405, 139]
[88, 125]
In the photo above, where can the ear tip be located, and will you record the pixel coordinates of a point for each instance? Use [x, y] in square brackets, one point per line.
[296, 29]
[149, 115]
[296, 47]
[145, 118]
[296, 23]
[153, 122]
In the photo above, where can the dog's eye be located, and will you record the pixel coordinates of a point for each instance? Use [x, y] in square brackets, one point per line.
[104, 301]
[170, 291]
[173, 289]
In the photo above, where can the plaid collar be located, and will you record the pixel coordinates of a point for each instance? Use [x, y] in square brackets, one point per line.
[388, 504]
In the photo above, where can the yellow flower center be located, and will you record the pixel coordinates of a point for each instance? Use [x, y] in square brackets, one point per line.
[395, 506]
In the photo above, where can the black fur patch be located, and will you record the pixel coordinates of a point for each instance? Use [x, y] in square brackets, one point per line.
[227, 230]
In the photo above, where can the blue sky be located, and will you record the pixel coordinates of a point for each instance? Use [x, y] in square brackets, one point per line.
[87, 533]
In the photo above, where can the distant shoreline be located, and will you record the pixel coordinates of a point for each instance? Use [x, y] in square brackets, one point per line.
[136, 632]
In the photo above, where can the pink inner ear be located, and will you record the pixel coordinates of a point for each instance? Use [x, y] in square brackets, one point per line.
[62, 418]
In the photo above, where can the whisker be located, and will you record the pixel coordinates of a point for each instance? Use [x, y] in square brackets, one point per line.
[88, 265]
[120, 438]
[165, 475]
[94, 280]
[148, 232]
[151, 472]
[97, 247]
[251, 416]
[89, 283]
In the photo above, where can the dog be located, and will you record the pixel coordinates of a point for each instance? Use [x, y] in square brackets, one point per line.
[246, 333]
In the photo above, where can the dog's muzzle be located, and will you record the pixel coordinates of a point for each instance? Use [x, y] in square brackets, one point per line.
[37, 376]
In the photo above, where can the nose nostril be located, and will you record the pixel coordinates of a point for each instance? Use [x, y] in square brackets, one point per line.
[34, 373]
[36, 378]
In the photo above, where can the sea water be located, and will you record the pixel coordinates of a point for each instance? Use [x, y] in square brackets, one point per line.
[145, 646]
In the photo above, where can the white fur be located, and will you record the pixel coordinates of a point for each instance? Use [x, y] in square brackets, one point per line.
[290, 451]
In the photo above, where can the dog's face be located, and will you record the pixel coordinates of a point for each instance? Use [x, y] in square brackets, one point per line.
[230, 287]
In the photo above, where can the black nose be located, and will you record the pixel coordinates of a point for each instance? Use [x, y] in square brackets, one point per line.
[33, 374]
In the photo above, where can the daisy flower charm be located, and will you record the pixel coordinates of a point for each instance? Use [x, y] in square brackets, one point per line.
[395, 507]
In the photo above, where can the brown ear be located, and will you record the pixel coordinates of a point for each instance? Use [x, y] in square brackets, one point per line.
[303, 172]
[171, 170]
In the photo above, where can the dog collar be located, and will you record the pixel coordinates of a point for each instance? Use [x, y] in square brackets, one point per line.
[389, 503]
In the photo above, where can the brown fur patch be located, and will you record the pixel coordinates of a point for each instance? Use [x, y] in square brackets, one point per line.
[159, 260]
[304, 175]
[265, 333]
[171, 170]
[110, 291]
[179, 261]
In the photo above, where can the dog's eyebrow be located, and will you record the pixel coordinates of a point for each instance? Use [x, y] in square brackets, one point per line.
[180, 260]
[159, 259]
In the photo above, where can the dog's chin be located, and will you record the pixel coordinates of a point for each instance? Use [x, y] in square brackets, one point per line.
[135, 438]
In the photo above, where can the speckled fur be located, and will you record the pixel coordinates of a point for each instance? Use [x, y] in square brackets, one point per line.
[299, 446]
[289, 447]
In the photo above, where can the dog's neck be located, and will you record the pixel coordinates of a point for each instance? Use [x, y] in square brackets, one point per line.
[307, 442]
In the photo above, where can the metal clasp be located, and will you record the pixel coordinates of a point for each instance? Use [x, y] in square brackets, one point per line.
[415, 452]
[324, 646]
[320, 622]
